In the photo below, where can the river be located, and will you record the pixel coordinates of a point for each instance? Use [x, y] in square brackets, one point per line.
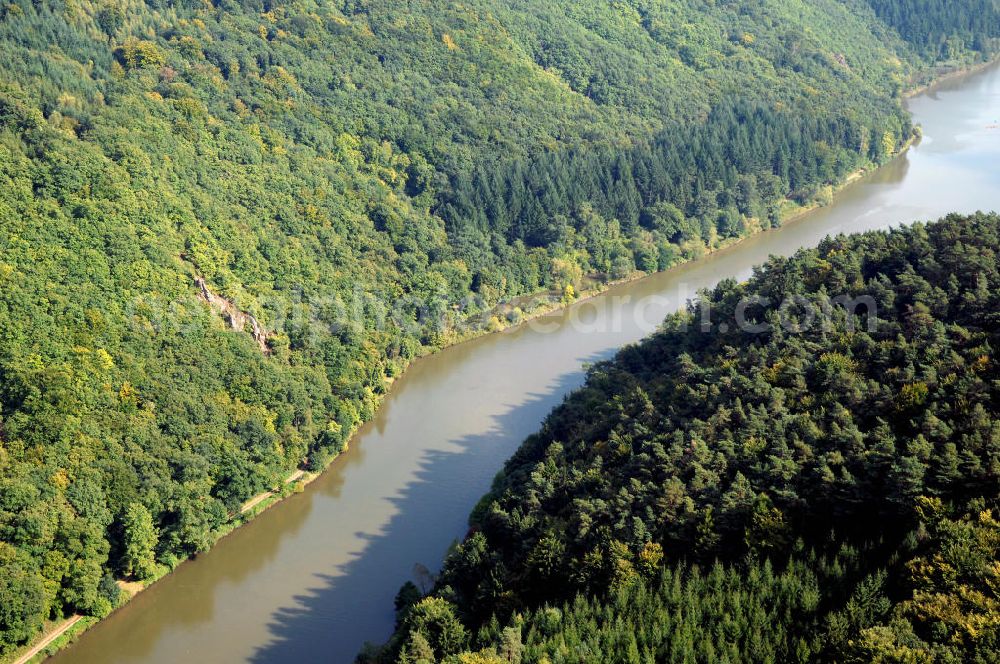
[314, 577]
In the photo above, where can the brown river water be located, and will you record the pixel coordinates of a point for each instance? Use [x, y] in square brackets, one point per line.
[313, 578]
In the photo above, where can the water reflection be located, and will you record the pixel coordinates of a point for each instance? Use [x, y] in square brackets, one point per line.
[297, 630]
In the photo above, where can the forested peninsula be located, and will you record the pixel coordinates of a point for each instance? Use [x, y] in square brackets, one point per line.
[226, 226]
[823, 488]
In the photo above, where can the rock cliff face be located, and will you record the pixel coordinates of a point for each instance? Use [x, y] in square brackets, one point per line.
[241, 321]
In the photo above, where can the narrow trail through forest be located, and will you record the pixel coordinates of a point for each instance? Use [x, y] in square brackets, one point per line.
[260, 497]
[44, 643]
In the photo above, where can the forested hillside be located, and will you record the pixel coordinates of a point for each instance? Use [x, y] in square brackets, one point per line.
[224, 225]
[936, 29]
[813, 491]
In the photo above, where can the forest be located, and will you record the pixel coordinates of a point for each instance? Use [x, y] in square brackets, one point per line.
[807, 492]
[226, 226]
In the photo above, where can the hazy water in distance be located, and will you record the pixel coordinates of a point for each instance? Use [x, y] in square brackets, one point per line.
[313, 578]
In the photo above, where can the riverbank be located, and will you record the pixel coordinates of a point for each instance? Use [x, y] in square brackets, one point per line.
[59, 630]
[550, 302]
[947, 75]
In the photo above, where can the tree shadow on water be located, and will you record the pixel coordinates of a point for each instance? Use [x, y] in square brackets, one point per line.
[332, 622]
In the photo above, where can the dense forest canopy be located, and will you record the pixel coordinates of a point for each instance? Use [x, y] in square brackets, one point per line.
[808, 492]
[345, 184]
[936, 29]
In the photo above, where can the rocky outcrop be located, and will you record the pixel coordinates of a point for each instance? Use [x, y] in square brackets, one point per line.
[241, 321]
